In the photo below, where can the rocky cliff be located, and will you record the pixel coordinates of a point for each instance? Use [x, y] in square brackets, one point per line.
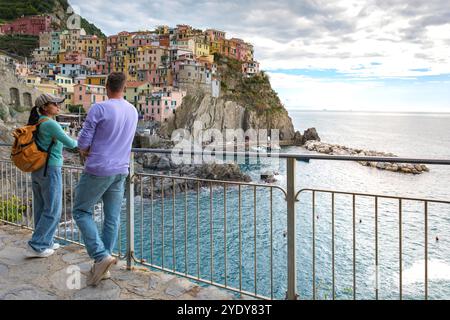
[243, 103]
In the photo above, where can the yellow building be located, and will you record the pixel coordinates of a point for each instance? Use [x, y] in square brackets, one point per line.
[124, 40]
[66, 83]
[69, 98]
[215, 46]
[49, 88]
[92, 47]
[134, 89]
[97, 80]
[131, 63]
[33, 79]
[187, 44]
[201, 49]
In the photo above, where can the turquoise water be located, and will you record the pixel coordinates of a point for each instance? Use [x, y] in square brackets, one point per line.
[409, 135]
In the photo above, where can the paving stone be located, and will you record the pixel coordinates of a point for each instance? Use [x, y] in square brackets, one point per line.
[106, 290]
[157, 279]
[213, 293]
[85, 266]
[75, 258]
[177, 287]
[25, 293]
[13, 256]
[3, 270]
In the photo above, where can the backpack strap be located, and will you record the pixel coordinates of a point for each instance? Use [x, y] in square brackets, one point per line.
[41, 121]
[49, 150]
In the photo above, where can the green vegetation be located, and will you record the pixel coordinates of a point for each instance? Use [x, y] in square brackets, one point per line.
[10, 10]
[12, 210]
[75, 108]
[255, 93]
[21, 45]
[91, 28]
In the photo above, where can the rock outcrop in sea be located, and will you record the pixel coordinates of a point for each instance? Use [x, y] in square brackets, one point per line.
[334, 149]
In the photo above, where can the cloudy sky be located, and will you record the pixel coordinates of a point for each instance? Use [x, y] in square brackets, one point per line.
[367, 55]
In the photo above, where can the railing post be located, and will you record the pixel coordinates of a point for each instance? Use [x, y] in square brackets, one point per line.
[130, 214]
[291, 223]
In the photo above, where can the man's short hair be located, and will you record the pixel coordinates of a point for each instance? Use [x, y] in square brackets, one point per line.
[116, 81]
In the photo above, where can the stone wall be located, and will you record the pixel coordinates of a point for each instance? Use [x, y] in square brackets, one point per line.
[15, 94]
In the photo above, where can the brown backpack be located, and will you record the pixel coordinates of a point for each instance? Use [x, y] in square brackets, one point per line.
[25, 153]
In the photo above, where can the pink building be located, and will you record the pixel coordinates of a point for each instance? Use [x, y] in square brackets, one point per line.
[86, 95]
[151, 57]
[161, 104]
[32, 25]
[244, 50]
[249, 69]
[215, 35]
[146, 39]
[94, 66]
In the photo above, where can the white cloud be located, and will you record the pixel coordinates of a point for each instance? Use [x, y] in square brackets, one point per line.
[301, 92]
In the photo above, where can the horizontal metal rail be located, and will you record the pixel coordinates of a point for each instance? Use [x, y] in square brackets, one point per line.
[281, 155]
[180, 227]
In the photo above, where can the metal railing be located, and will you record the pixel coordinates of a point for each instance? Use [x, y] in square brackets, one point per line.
[225, 233]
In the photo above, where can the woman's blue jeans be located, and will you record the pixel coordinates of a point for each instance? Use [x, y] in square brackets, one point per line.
[47, 206]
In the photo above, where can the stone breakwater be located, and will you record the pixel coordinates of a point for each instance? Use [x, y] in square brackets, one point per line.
[333, 149]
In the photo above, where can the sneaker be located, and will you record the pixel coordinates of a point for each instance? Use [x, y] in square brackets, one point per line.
[31, 253]
[56, 246]
[99, 269]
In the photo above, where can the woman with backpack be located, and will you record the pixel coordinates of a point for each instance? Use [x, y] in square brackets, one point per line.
[47, 181]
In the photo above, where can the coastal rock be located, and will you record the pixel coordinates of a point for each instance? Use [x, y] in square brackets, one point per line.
[310, 134]
[268, 177]
[206, 171]
[298, 139]
[326, 148]
[224, 113]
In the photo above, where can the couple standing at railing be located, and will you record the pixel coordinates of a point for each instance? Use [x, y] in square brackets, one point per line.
[105, 142]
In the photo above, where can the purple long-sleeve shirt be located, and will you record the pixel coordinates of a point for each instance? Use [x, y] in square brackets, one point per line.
[108, 132]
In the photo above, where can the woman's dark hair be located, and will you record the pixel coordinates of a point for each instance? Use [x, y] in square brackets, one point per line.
[34, 116]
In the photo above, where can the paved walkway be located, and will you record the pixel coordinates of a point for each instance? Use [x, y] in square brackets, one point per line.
[57, 277]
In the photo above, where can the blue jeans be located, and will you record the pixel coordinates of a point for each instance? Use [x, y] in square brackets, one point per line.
[89, 191]
[47, 206]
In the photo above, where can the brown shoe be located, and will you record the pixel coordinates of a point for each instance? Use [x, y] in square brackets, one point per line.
[99, 269]
[106, 276]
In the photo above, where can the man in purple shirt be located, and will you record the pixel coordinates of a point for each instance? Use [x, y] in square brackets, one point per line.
[105, 142]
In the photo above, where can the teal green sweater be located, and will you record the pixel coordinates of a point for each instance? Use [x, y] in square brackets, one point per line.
[49, 130]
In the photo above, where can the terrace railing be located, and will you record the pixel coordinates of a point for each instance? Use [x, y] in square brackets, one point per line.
[240, 236]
